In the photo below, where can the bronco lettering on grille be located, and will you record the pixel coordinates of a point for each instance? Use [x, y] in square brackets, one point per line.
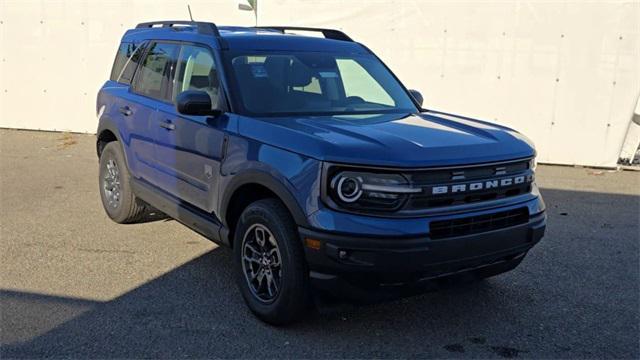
[481, 185]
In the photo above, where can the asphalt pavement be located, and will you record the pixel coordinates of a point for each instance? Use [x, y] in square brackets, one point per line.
[74, 284]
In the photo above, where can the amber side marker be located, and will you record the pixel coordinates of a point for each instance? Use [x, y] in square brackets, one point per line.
[312, 243]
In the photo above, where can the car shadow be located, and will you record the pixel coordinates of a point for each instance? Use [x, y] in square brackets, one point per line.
[196, 311]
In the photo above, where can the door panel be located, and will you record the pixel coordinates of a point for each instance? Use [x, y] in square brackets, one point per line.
[137, 124]
[188, 156]
[189, 148]
[133, 114]
[148, 91]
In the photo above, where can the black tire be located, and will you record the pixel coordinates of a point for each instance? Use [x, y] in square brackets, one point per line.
[127, 209]
[293, 297]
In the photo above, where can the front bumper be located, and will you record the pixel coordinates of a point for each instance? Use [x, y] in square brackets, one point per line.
[357, 266]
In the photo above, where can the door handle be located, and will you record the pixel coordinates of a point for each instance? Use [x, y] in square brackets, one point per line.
[168, 125]
[126, 111]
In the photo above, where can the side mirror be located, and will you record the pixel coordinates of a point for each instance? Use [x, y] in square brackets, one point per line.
[417, 96]
[195, 102]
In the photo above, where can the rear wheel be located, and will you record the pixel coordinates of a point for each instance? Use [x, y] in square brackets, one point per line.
[270, 268]
[118, 199]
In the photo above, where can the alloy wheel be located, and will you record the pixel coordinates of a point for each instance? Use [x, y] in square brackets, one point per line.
[111, 184]
[261, 263]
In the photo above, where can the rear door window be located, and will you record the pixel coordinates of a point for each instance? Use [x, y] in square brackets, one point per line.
[154, 72]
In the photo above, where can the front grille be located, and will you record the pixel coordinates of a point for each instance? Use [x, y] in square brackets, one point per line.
[424, 201]
[427, 179]
[437, 176]
[428, 191]
[477, 224]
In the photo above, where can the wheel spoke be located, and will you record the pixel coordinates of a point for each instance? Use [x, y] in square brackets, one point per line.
[272, 241]
[275, 258]
[260, 236]
[274, 283]
[252, 259]
[247, 246]
[269, 282]
[254, 274]
[260, 277]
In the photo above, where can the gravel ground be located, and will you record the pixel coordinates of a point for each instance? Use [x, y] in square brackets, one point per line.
[75, 284]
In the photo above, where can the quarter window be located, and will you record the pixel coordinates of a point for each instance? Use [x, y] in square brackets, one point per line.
[126, 61]
[153, 74]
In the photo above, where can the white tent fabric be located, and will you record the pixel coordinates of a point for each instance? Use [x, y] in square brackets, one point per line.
[566, 74]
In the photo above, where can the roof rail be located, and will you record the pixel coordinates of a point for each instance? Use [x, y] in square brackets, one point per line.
[204, 28]
[327, 33]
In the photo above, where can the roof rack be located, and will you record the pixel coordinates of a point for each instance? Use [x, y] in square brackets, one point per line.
[327, 33]
[204, 28]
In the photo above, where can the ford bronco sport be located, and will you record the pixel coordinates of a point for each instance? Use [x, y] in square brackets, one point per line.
[309, 158]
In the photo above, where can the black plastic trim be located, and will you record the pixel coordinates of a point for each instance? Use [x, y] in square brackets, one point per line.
[203, 28]
[264, 179]
[105, 123]
[384, 255]
[197, 220]
[327, 33]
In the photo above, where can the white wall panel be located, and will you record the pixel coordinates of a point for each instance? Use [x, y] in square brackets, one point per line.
[57, 54]
[567, 74]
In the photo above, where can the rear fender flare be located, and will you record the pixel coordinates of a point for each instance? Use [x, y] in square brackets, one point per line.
[106, 123]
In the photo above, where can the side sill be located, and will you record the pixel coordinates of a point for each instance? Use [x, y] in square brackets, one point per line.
[197, 220]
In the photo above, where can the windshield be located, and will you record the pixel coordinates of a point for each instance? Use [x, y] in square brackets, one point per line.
[315, 84]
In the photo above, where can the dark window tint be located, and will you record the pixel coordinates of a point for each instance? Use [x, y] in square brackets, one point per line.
[124, 53]
[196, 70]
[154, 71]
[316, 83]
[127, 59]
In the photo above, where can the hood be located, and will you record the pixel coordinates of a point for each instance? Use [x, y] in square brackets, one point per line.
[395, 140]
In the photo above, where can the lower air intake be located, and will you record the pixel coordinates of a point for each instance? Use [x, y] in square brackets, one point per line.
[477, 224]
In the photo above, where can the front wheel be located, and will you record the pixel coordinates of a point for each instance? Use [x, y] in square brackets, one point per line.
[270, 268]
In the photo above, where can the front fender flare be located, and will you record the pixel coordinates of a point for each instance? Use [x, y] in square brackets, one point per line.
[270, 182]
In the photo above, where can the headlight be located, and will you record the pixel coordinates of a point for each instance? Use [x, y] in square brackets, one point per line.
[533, 164]
[348, 187]
[356, 190]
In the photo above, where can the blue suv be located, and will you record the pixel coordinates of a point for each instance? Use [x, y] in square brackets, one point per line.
[308, 157]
